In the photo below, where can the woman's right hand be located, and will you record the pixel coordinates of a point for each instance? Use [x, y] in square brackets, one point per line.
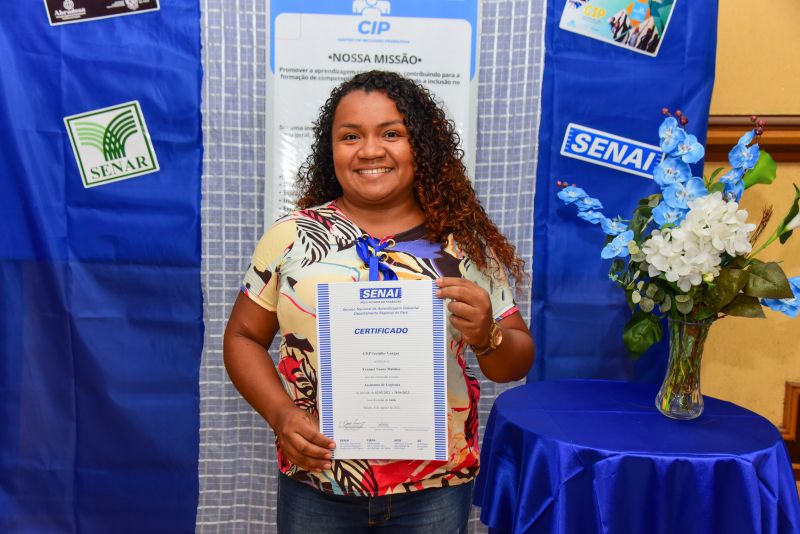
[251, 329]
[301, 441]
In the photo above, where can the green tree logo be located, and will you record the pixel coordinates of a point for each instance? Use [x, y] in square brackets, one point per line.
[110, 141]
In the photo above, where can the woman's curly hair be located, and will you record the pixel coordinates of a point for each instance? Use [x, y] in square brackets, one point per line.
[441, 186]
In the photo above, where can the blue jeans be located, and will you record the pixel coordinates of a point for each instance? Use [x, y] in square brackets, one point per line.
[305, 510]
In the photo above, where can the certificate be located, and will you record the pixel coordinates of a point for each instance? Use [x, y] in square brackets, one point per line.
[382, 376]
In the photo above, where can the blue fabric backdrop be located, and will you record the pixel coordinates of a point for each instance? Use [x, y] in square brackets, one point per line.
[101, 312]
[578, 314]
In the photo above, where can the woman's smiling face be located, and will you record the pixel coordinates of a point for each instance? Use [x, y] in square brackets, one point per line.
[372, 153]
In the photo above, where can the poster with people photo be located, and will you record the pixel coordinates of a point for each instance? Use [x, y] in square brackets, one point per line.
[636, 24]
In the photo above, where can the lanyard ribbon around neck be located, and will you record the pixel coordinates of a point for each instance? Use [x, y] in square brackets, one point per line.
[370, 250]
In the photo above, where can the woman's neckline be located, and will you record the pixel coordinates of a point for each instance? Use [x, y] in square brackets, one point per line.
[397, 236]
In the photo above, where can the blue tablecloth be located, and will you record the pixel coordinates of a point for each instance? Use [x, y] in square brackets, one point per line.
[584, 456]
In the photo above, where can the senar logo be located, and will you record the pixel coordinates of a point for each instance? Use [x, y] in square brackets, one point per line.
[380, 293]
[608, 150]
[111, 144]
[111, 139]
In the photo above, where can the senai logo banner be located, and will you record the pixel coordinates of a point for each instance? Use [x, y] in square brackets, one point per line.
[608, 150]
[111, 144]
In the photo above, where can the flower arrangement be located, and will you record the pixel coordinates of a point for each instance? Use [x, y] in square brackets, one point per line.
[687, 252]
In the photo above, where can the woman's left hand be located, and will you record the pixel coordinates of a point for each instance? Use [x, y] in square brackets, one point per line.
[470, 309]
[471, 313]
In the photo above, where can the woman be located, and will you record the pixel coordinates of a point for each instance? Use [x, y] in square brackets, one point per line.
[384, 180]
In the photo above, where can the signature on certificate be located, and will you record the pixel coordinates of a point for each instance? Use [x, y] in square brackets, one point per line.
[351, 424]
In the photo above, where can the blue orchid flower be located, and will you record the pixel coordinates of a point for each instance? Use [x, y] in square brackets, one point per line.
[670, 134]
[571, 194]
[747, 138]
[618, 247]
[588, 203]
[671, 171]
[679, 195]
[743, 157]
[789, 306]
[593, 217]
[689, 150]
[734, 191]
[612, 227]
[734, 185]
[665, 214]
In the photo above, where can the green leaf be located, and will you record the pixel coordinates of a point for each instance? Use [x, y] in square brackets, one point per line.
[651, 200]
[641, 216]
[716, 187]
[740, 262]
[767, 281]
[641, 332]
[744, 306]
[684, 306]
[764, 172]
[659, 296]
[716, 172]
[783, 233]
[705, 314]
[726, 286]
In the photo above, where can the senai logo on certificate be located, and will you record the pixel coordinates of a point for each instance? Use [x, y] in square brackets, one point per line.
[111, 144]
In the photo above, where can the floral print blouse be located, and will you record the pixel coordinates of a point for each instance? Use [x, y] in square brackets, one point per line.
[318, 245]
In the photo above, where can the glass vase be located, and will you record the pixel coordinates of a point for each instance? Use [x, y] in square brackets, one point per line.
[679, 396]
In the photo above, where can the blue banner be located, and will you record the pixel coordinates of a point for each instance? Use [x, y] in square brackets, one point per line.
[101, 325]
[607, 75]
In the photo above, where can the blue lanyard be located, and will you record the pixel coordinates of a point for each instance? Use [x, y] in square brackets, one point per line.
[370, 250]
